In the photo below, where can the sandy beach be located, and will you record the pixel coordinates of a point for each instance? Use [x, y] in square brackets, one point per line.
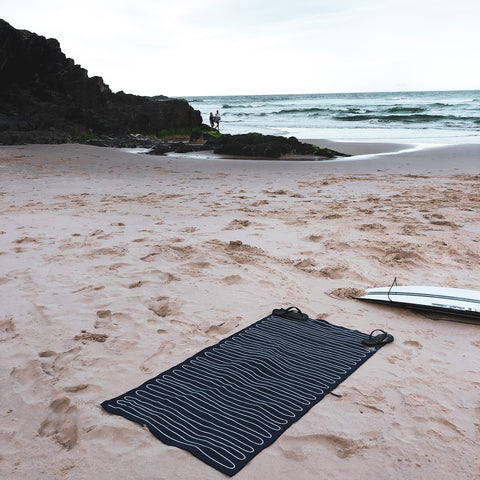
[115, 267]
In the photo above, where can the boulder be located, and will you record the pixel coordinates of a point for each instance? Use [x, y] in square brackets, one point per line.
[160, 149]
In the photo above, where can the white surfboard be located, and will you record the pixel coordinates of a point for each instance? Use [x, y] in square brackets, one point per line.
[455, 301]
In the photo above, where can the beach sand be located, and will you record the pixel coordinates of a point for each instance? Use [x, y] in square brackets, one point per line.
[115, 267]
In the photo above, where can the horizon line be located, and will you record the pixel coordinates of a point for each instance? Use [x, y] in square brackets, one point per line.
[322, 93]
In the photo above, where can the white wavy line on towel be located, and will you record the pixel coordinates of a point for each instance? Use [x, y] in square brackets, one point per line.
[189, 413]
[224, 405]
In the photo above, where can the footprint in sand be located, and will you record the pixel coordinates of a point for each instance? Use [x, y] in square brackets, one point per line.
[365, 227]
[25, 240]
[223, 328]
[194, 269]
[413, 343]
[54, 363]
[298, 448]
[315, 238]
[162, 307]
[104, 318]
[152, 363]
[169, 252]
[28, 375]
[76, 388]
[231, 279]
[115, 251]
[7, 329]
[85, 337]
[237, 224]
[308, 265]
[346, 292]
[259, 203]
[61, 423]
[189, 229]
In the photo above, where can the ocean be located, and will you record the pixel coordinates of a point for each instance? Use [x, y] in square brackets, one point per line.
[444, 117]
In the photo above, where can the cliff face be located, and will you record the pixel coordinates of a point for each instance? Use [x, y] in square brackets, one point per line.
[41, 90]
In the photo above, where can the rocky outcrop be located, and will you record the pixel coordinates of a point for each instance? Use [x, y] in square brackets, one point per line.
[270, 146]
[45, 95]
[161, 148]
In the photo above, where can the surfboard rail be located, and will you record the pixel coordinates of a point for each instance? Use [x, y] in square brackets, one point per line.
[453, 301]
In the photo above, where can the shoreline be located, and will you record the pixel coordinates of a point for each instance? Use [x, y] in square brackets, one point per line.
[359, 148]
[371, 157]
[117, 266]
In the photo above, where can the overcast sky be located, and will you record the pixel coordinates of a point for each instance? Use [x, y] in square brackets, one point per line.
[235, 47]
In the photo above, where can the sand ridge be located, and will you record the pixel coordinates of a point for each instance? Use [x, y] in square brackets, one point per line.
[115, 267]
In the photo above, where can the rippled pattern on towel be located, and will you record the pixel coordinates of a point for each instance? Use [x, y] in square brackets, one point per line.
[233, 399]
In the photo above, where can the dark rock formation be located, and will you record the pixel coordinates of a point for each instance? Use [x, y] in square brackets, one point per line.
[161, 148]
[45, 96]
[271, 146]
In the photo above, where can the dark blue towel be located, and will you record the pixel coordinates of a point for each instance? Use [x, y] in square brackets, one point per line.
[233, 399]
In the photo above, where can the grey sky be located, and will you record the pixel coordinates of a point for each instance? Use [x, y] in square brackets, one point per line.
[214, 47]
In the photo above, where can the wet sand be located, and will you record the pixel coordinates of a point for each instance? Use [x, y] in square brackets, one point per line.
[115, 267]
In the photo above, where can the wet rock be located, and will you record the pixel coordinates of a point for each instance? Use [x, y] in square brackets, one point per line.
[271, 146]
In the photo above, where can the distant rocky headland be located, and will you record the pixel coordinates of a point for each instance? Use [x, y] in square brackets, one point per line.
[46, 98]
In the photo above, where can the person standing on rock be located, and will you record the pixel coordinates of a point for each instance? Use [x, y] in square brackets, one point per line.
[217, 119]
[211, 120]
